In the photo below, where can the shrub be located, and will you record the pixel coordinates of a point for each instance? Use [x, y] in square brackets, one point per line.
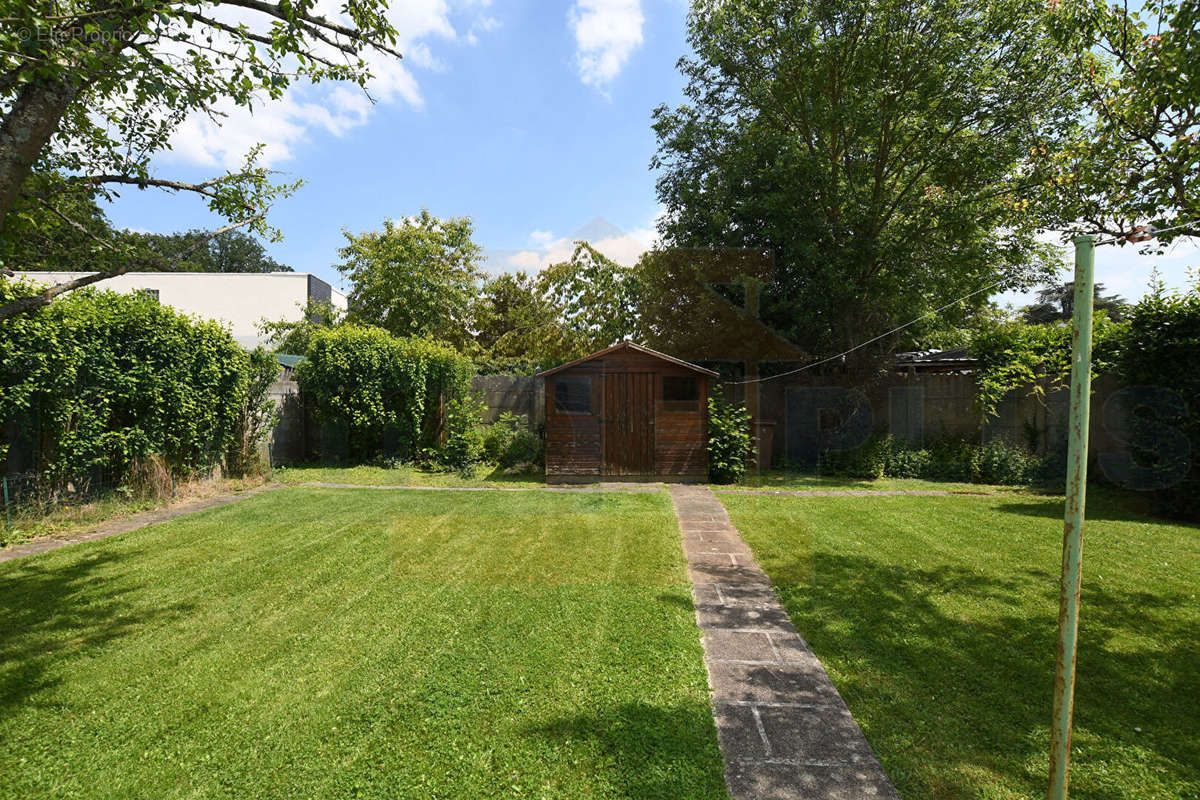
[730, 446]
[998, 461]
[869, 461]
[383, 390]
[464, 432]
[906, 462]
[508, 441]
[257, 417]
[96, 381]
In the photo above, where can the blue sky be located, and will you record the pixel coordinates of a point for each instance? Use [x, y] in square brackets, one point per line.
[533, 118]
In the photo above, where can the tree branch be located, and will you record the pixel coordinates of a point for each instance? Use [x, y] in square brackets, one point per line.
[354, 34]
[32, 302]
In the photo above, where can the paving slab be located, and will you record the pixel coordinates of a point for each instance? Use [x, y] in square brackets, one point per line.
[784, 730]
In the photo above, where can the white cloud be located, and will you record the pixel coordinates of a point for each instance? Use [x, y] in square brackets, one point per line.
[541, 238]
[546, 248]
[334, 109]
[606, 34]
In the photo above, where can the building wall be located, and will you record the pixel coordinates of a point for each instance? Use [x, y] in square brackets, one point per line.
[240, 300]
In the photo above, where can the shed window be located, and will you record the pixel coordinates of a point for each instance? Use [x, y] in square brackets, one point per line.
[680, 394]
[573, 395]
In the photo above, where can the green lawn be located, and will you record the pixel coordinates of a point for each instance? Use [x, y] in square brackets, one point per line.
[351, 643]
[788, 480]
[936, 618]
[405, 475]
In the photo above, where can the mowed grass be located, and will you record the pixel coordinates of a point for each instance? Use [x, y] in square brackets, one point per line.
[937, 618]
[406, 475]
[359, 643]
[789, 480]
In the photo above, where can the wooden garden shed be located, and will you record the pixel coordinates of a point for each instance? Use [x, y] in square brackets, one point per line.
[626, 413]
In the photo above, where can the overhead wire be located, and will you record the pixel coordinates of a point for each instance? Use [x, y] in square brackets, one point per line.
[928, 314]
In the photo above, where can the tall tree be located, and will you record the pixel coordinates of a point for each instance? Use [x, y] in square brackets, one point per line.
[1056, 303]
[94, 89]
[597, 297]
[416, 277]
[511, 314]
[879, 148]
[568, 310]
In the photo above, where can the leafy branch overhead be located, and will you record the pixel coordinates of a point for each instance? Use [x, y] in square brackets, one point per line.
[91, 91]
[1134, 157]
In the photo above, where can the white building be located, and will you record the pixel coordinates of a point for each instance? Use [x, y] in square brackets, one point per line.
[239, 299]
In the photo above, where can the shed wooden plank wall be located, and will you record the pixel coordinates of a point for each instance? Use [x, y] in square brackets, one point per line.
[574, 442]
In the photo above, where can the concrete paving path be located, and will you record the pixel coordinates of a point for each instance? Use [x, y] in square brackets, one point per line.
[783, 728]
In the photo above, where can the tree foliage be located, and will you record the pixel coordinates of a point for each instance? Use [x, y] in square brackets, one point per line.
[416, 277]
[200, 251]
[1056, 303]
[568, 310]
[94, 90]
[257, 416]
[730, 446]
[1161, 349]
[1133, 157]
[1016, 356]
[294, 336]
[878, 149]
[76, 235]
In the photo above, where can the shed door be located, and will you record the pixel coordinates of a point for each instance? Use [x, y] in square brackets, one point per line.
[629, 423]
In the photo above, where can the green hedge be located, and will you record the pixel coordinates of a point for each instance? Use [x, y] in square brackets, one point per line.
[995, 462]
[97, 380]
[383, 391]
[1161, 350]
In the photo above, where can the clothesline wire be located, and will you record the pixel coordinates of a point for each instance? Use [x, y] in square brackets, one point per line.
[921, 318]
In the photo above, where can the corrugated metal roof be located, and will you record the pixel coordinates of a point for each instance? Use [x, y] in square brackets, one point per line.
[288, 360]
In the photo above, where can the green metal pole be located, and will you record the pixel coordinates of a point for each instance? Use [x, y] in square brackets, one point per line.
[1077, 449]
[7, 512]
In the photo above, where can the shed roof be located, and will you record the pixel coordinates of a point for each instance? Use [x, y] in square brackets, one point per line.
[626, 345]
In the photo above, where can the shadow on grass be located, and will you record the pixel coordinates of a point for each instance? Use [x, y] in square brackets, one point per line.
[502, 475]
[1103, 503]
[654, 752]
[684, 602]
[51, 611]
[951, 670]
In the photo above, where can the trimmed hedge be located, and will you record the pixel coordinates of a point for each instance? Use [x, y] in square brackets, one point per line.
[97, 380]
[385, 391]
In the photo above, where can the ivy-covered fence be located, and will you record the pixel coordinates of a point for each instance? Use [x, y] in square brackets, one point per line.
[380, 394]
[96, 382]
[1155, 414]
